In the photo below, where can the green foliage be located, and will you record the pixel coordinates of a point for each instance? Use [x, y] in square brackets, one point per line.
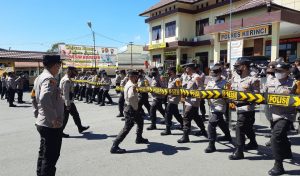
[54, 47]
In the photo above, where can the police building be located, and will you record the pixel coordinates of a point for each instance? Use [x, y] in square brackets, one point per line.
[182, 31]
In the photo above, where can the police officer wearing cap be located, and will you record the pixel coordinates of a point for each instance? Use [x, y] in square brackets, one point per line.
[106, 82]
[173, 101]
[67, 87]
[143, 96]
[121, 101]
[49, 113]
[218, 109]
[282, 117]
[11, 89]
[132, 115]
[157, 99]
[191, 108]
[243, 81]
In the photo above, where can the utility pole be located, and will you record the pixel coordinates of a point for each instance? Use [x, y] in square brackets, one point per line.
[94, 40]
[131, 43]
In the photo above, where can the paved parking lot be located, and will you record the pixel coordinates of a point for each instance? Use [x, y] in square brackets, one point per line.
[88, 154]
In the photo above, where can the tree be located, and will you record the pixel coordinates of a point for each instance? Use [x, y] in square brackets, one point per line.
[54, 47]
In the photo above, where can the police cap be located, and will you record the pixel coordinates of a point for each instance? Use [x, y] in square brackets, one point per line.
[242, 61]
[282, 66]
[51, 59]
[215, 70]
[189, 65]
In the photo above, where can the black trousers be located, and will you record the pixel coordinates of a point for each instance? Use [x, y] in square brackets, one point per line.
[215, 120]
[121, 103]
[244, 126]
[172, 109]
[74, 113]
[3, 92]
[106, 95]
[50, 145]
[95, 92]
[281, 146]
[144, 101]
[131, 117]
[20, 95]
[156, 105]
[191, 113]
[82, 92]
[10, 95]
[88, 94]
[76, 91]
[99, 95]
[202, 107]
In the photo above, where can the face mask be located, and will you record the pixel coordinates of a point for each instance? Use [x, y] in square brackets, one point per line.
[280, 75]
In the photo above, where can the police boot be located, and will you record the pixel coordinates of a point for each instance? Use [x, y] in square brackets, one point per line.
[140, 140]
[237, 154]
[120, 115]
[251, 146]
[152, 127]
[83, 128]
[277, 169]
[115, 149]
[166, 132]
[185, 138]
[211, 147]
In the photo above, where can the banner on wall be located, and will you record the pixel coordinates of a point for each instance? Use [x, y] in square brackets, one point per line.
[81, 56]
[235, 51]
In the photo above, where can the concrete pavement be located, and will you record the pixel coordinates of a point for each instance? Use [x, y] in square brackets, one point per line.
[88, 154]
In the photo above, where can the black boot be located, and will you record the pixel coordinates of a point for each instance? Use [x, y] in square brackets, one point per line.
[115, 149]
[140, 140]
[185, 138]
[277, 169]
[237, 154]
[166, 132]
[152, 127]
[120, 115]
[211, 147]
[83, 128]
[251, 146]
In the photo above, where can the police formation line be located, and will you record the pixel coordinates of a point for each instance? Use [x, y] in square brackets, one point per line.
[53, 106]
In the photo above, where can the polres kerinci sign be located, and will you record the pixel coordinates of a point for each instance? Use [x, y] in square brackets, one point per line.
[246, 33]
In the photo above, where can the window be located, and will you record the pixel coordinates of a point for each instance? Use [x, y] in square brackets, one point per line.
[220, 20]
[156, 33]
[200, 26]
[171, 29]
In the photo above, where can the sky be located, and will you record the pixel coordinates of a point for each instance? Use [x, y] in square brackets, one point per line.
[34, 25]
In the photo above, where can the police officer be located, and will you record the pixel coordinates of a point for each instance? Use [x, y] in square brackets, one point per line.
[106, 81]
[282, 117]
[4, 85]
[132, 114]
[143, 96]
[121, 97]
[49, 112]
[202, 101]
[243, 81]
[157, 99]
[20, 87]
[218, 109]
[76, 86]
[11, 89]
[67, 87]
[118, 79]
[82, 86]
[95, 88]
[89, 90]
[191, 108]
[173, 101]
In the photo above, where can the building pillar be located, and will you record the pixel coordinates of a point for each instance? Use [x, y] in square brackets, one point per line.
[217, 48]
[178, 56]
[275, 40]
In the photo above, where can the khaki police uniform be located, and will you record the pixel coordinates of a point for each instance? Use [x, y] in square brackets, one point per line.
[89, 90]
[121, 100]
[245, 110]
[67, 87]
[143, 97]
[106, 81]
[282, 117]
[11, 90]
[156, 102]
[4, 87]
[49, 112]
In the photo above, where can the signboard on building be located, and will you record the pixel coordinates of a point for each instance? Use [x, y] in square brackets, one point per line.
[81, 56]
[235, 51]
[255, 31]
[158, 46]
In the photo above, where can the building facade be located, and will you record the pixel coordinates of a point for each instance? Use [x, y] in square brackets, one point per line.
[182, 31]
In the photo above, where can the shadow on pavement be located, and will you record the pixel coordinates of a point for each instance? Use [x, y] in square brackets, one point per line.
[154, 147]
[93, 136]
[23, 106]
[293, 172]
